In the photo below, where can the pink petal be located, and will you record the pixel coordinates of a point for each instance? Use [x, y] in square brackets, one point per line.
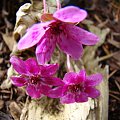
[94, 79]
[74, 78]
[45, 48]
[81, 35]
[33, 36]
[81, 77]
[70, 46]
[18, 65]
[45, 89]
[18, 81]
[56, 92]
[65, 88]
[92, 92]
[33, 91]
[48, 70]
[82, 97]
[68, 98]
[53, 81]
[70, 78]
[32, 66]
[70, 14]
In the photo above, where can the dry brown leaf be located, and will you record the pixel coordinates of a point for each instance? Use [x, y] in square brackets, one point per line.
[15, 110]
[9, 40]
[7, 83]
[1, 104]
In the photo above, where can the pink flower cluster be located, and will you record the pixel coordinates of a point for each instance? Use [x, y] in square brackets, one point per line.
[39, 80]
[38, 77]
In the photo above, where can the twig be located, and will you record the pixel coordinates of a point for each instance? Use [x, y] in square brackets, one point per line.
[112, 4]
[103, 23]
[112, 73]
[97, 18]
[115, 97]
[117, 84]
[106, 50]
[107, 56]
[4, 91]
[114, 92]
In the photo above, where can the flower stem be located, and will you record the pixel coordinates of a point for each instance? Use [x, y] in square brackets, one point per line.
[58, 4]
[44, 4]
[69, 67]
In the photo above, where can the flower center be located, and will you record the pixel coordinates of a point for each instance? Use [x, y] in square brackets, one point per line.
[76, 88]
[56, 28]
[34, 80]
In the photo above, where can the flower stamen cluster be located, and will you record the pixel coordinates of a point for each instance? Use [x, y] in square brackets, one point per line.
[76, 88]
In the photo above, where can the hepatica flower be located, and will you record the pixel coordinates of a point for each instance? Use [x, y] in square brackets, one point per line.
[78, 87]
[59, 30]
[37, 79]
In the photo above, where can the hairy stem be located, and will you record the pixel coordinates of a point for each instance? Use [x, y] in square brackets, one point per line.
[44, 4]
[69, 67]
[58, 4]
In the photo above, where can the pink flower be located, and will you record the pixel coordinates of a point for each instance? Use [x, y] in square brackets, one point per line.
[59, 31]
[37, 79]
[78, 87]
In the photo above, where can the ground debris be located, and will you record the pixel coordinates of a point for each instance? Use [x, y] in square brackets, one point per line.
[4, 116]
[15, 110]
